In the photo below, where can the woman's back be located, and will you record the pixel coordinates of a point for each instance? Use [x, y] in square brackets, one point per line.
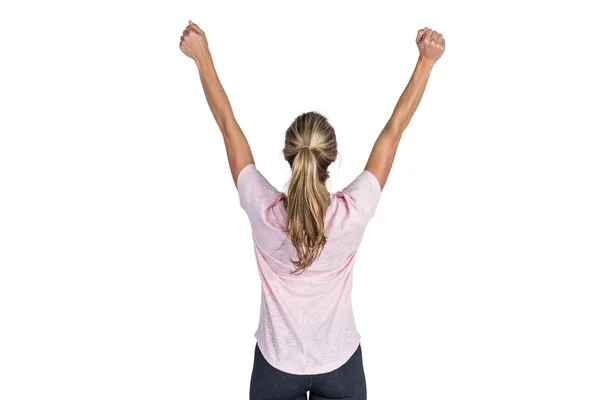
[306, 322]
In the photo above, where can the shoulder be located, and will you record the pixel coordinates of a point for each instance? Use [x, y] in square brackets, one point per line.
[254, 189]
[361, 196]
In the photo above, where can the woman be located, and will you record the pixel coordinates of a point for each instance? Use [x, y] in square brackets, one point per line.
[306, 241]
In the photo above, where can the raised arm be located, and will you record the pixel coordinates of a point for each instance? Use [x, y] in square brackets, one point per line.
[194, 45]
[431, 47]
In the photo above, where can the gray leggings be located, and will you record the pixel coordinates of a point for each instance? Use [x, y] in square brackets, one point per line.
[344, 383]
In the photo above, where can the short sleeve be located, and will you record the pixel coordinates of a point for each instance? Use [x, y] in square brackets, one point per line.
[364, 193]
[255, 191]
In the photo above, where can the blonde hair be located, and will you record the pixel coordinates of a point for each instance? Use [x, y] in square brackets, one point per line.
[310, 147]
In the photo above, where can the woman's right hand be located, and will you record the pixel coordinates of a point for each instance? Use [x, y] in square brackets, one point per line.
[431, 45]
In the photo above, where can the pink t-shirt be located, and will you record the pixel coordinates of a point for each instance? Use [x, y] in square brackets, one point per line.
[306, 321]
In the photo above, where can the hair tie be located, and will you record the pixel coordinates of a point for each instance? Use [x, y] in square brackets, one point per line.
[306, 146]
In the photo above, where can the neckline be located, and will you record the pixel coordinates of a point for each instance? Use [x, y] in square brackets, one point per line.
[328, 202]
[284, 204]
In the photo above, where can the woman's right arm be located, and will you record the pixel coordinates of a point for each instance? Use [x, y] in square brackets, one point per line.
[431, 47]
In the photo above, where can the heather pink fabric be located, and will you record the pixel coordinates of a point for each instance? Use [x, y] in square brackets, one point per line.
[306, 321]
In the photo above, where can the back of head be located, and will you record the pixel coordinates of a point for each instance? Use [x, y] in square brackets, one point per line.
[310, 147]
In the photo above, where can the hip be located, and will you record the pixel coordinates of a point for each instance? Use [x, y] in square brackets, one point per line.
[346, 381]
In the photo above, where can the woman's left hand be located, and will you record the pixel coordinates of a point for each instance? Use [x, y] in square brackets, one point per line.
[193, 42]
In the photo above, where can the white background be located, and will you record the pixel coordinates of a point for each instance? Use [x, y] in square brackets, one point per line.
[126, 264]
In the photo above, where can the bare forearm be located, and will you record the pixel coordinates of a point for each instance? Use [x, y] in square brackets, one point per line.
[213, 90]
[410, 98]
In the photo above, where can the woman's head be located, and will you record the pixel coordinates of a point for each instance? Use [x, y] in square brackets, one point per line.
[308, 197]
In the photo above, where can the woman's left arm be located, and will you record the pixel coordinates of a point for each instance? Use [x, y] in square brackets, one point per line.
[194, 45]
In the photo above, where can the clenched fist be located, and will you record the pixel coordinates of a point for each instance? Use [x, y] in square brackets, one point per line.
[193, 42]
[431, 44]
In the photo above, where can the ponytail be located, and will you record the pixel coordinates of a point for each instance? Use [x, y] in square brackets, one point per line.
[307, 203]
[310, 147]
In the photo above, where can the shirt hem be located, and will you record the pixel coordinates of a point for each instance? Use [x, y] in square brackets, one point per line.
[314, 370]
